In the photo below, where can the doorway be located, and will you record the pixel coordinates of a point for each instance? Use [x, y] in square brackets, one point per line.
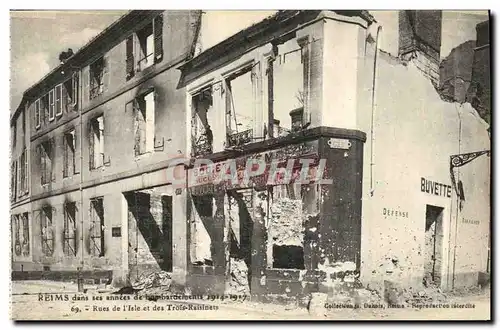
[433, 245]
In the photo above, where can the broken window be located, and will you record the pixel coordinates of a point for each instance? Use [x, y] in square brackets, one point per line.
[144, 123]
[25, 242]
[290, 208]
[45, 150]
[13, 180]
[47, 231]
[70, 93]
[23, 169]
[203, 119]
[150, 227]
[69, 246]
[286, 94]
[239, 108]
[202, 229]
[96, 231]
[16, 234]
[145, 47]
[96, 142]
[98, 73]
[69, 153]
[37, 114]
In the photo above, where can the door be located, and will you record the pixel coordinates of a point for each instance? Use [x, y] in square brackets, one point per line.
[433, 245]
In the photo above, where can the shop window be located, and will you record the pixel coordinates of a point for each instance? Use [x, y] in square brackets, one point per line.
[203, 118]
[69, 246]
[239, 108]
[96, 231]
[98, 74]
[46, 231]
[69, 153]
[96, 142]
[286, 93]
[145, 47]
[144, 123]
[46, 152]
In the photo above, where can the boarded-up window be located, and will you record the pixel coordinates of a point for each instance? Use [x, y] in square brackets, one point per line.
[46, 231]
[96, 230]
[69, 246]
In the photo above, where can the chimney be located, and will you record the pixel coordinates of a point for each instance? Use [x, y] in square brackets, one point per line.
[420, 40]
[63, 56]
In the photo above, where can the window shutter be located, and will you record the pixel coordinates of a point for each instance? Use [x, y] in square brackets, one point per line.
[17, 177]
[130, 57]
[158, 37]
[91, 145]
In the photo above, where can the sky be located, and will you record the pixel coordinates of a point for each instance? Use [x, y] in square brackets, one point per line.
[37, 38]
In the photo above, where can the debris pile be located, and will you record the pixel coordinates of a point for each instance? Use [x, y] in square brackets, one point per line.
[238, 283]
[149, 284]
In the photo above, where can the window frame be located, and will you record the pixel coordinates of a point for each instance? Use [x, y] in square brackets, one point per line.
[93, 123]
[99, 233]
[66, 158]
[148, 122]
[66, 238]
[47, 223]
[93, 85]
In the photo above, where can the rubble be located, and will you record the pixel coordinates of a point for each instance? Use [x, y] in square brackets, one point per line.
[238, 283]
[149, 284]
[286, 223]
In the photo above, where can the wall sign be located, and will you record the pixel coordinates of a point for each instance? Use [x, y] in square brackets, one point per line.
[394, 213]
[435, 188]
[339, 143]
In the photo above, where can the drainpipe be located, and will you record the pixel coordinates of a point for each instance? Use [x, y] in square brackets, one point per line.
[458, 201]
[80, 187]
[374, 105]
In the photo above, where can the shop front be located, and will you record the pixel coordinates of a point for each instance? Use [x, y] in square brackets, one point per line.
[280, 219]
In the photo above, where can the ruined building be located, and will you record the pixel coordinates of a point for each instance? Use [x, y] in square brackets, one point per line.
[408, 200]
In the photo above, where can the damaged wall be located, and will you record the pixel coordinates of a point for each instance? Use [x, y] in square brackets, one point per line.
[427, 133]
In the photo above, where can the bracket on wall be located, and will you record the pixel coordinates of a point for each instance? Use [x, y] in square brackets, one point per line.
[159, 145]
